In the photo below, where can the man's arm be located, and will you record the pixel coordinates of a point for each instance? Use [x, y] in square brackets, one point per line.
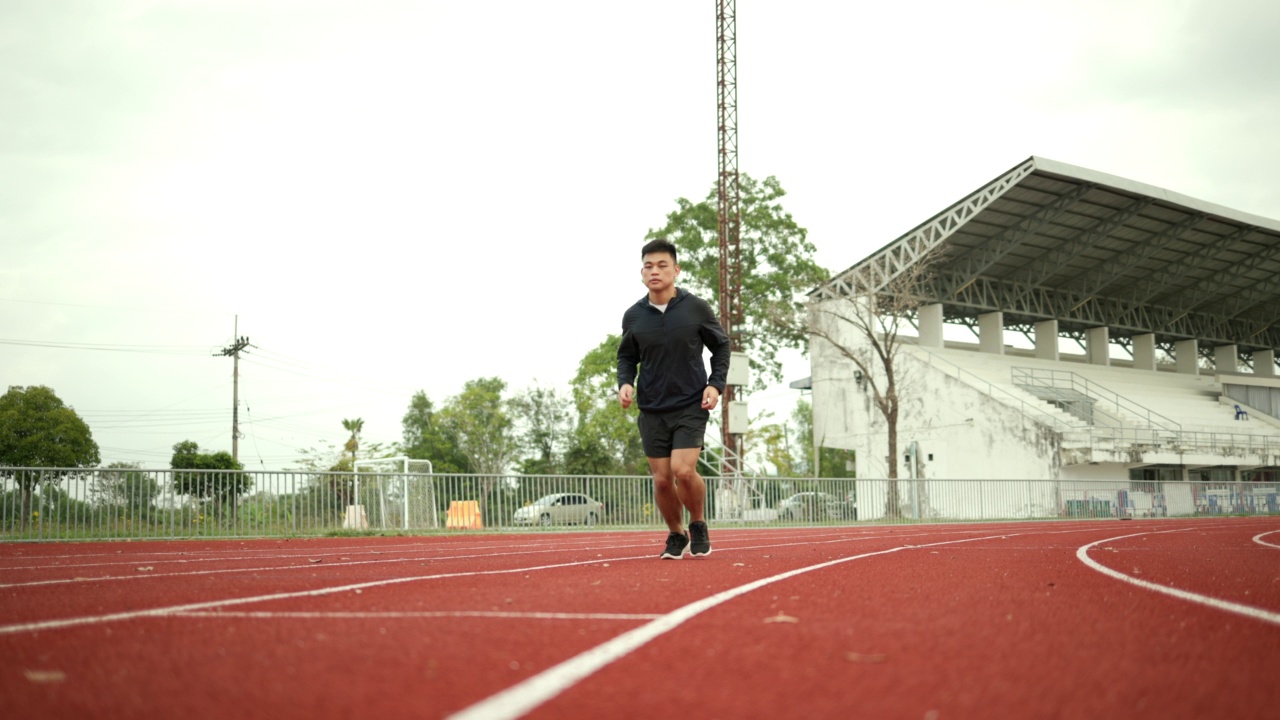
[628, 359]
[715, 339]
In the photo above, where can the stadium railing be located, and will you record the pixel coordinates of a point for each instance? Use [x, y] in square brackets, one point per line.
[115, 503]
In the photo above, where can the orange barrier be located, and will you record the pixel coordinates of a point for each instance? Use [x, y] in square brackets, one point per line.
[464, 515]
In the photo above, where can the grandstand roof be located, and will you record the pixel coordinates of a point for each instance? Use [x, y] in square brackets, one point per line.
[1047, 240]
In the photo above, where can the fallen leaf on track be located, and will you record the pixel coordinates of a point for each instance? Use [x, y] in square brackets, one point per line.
[781, 618]
[45, 676]
[315, 560]
[146, 569]
[864, 657]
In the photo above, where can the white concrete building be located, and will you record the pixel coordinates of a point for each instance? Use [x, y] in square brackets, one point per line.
[1104, 340]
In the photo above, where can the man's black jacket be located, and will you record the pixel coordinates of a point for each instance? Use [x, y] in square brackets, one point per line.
[668, 348]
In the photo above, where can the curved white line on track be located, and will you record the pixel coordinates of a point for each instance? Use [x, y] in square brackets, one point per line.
[1258, 539]
[523, 697]
[1246, 610]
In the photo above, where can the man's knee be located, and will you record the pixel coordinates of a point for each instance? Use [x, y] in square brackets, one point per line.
[685, 473]
[664, 481]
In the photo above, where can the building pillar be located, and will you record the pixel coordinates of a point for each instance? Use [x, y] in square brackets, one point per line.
[1264, 363]
[991, 333]
[930, 317]
[1144, 352]
[1047, 339]
[1097, 344]
[1226, 359]
[1186, 354]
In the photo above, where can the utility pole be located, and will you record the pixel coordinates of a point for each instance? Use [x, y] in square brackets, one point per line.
[233, 351]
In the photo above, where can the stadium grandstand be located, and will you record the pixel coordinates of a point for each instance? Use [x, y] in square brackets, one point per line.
[1070, 326]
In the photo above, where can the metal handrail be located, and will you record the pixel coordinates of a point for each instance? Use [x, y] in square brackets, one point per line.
[999, 393]
[1174, 438]
[1066, 379]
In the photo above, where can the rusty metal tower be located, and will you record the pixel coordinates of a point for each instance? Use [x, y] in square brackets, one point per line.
[729, 214]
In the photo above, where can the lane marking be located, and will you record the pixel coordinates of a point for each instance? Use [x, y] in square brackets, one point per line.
[523, 697]
[805, 540]
[420, 614]
[1258, 539]
[163, 611]
[189, 607]
[1246, 610]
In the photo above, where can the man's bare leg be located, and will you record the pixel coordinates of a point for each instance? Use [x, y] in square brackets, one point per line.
[667, 495]
[690, 487]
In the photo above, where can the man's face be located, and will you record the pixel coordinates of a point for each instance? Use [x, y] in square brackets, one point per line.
[659, 271]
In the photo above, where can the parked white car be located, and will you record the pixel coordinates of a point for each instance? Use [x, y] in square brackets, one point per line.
[817, 505]
[561, 509]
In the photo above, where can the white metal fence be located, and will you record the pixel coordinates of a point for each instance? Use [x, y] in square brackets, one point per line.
[44, 503]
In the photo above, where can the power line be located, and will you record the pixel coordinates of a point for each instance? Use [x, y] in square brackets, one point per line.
[110, 347]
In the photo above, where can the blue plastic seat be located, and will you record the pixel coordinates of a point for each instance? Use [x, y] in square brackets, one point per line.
[1240, 413]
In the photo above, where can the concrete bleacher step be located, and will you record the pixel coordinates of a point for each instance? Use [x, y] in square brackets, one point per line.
[1190, 401]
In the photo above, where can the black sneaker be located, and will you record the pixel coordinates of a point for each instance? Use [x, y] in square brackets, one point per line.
[677, 544]
[699, 539]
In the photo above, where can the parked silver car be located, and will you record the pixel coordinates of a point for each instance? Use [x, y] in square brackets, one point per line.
[816, 506]
[561, 509]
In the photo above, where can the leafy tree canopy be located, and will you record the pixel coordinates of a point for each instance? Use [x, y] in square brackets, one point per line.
[38, 430]
[478, 419]
[187, 456]
[605, 440]
[777, 269]
[542, 417]
[425, 437]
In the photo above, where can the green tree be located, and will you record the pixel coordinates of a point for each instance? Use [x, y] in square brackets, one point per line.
[478, 418]
[216, 476]
[355, 427]
[38, 431]
[604, 439]
[127, 488]
[832, 462]
[774, 442]
[425, 437]
[777, 269]
[331, 487]
[542, 418]
[802, 419]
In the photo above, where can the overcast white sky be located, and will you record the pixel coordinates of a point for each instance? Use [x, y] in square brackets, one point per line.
[397, 195]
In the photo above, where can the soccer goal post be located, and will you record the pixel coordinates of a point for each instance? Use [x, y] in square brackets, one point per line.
[399, 492]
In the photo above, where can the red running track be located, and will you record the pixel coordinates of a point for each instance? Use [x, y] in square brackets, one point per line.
[1168, 619]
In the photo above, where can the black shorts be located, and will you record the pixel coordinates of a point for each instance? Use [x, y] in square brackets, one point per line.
[675, 430]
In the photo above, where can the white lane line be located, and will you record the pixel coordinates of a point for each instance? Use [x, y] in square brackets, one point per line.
[191, 607]
[523, 697]
[422, 614]
[147, 575]
[1246, 610]
[163, 611]
[1258, 538]
[150, 575]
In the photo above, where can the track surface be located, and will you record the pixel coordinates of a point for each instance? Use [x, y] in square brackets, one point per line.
[1093, 619]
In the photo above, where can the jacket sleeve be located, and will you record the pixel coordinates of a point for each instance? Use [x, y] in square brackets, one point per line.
[714, 337]
[628, 354]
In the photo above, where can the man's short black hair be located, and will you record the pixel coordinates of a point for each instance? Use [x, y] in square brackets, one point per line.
[661, 245]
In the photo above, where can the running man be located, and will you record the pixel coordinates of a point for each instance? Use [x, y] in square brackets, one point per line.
[664, 333]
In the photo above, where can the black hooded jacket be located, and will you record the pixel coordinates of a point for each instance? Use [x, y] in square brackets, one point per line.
[668, 348]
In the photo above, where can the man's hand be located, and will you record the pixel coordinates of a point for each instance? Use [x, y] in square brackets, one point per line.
[626, 394]
[710, 397]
